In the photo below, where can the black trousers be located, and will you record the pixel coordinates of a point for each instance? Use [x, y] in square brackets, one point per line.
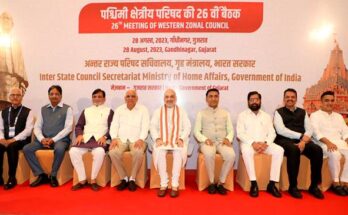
[312, 151]
[12, 156]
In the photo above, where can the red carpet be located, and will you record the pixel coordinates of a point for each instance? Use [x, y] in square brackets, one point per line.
[47, 200]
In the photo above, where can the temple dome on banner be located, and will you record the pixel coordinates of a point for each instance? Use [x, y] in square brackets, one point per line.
[334, 78]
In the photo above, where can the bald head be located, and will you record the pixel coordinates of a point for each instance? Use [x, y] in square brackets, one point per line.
[16, 97]
[170, 98]
[131, 98]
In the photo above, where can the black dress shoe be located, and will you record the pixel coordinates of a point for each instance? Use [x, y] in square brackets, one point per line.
[41, 179]
[54, 182]
[338, 190]
[212, 189]
[254, 190]
[316, 192]
[272, 189]
[221, 189]
[294, 192]
[132, 186]
[123, 185]
[11, 183]
[345, 188]
[95, 187]
[78, 186]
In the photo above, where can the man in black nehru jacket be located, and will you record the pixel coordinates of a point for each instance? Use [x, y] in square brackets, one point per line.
[294, 133]
[16, 125]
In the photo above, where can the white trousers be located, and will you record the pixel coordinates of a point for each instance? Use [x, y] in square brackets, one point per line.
[227, 155]
[277, 153]
[76, 154]
[335, 160]
[162, 166]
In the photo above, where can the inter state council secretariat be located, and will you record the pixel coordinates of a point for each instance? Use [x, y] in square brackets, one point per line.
[131, 76]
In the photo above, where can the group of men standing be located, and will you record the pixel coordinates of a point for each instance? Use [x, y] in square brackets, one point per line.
[100, 129]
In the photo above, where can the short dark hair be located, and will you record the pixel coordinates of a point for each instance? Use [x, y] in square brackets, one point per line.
[57, 87]
[99, 91]
[254, 93]
[290, 90]
[329, 92]
[212, 90]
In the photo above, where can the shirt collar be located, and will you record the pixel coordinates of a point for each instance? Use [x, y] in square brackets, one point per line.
[291, 110]
[326, 113]
[18, 107]
[60, 104]
[134, 108]
[99, 106]
[212, 109]
[251, 112]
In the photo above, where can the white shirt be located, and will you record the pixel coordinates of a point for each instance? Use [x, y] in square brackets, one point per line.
[130, 125]
[332, 126]
[67, 126]
[253, 127]
[185, 124]
[284, 131]
[25, 133]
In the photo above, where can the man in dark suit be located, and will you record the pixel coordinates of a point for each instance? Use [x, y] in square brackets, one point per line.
[294, 133]
[16, 125]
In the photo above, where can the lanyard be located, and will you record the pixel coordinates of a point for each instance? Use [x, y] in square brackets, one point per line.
[9, 115]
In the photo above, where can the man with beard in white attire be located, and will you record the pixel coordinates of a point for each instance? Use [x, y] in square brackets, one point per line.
[256, 134]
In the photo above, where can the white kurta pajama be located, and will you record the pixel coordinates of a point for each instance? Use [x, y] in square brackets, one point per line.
[258, 128]
[333, 127]
[96, 126]
[170, 124]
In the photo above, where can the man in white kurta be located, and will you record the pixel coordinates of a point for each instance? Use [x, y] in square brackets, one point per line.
[92, 134]
[331, 133]
[256, 134]
[214, 132]
[170, 128]
[129, 129]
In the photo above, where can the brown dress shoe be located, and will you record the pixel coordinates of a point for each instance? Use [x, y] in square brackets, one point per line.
[162, 192]
[174, 193]
[78, 186]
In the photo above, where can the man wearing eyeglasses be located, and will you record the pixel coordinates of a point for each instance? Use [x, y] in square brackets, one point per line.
[92, 134]
[129, 129]
[16, 125]
[52, 132]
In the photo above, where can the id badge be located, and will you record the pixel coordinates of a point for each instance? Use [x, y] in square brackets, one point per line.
[11, 132]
